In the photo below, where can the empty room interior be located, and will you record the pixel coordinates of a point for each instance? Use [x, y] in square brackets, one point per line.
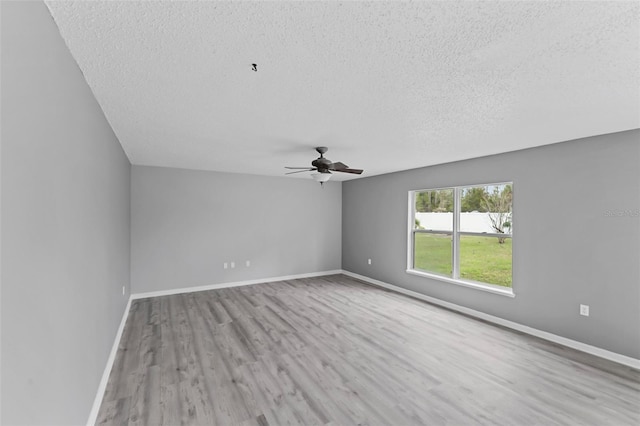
[302, 213]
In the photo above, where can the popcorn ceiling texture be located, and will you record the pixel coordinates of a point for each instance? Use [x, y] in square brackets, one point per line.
[385, 85]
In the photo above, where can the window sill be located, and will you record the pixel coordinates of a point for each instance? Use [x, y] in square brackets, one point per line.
[502, 291]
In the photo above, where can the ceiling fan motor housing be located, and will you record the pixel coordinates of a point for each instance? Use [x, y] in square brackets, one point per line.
[322, 164]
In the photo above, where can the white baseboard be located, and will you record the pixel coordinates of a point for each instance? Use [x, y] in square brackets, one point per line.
[93, 415]
[231, 284]
[583, 347]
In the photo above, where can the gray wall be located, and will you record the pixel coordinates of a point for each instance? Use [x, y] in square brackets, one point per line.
[186, 224]
[586, 257]
[65, 227]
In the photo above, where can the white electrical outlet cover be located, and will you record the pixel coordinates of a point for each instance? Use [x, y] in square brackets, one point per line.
[584, 310]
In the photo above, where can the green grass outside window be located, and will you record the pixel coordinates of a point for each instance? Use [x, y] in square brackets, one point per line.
[482, 259]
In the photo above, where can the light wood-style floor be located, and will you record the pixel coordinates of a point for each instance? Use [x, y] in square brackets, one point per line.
[335, 351]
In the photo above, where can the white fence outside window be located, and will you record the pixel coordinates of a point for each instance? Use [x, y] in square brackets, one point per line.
[469, 222]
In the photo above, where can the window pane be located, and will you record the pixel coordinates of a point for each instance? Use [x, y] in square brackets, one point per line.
[485, 259]
[434, 210]
[486, 208]
[432, 253]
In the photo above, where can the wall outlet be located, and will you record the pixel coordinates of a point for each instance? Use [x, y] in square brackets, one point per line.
[248, 263]
[226, 265]
[123, 290]
[584, 310]
[233, 265]
[369, 261]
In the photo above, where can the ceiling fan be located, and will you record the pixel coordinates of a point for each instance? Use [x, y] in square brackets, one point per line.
[324, 167]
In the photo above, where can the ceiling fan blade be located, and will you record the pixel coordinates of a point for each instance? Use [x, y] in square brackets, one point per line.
[338, 166]
[300, 171]
[353, 171]
[294, 168]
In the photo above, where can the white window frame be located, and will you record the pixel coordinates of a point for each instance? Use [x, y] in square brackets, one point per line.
[455, 233]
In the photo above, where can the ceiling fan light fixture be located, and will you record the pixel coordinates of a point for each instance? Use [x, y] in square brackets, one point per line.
[321, 177]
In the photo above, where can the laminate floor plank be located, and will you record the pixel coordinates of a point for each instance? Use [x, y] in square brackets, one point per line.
[115, 412]
[334, 351]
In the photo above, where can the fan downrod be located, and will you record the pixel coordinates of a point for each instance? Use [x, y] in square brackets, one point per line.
[321, 150]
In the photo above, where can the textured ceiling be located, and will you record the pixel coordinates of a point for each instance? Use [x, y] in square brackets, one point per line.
[386, 86]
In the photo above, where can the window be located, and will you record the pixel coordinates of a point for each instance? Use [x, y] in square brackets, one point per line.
[463, 235]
